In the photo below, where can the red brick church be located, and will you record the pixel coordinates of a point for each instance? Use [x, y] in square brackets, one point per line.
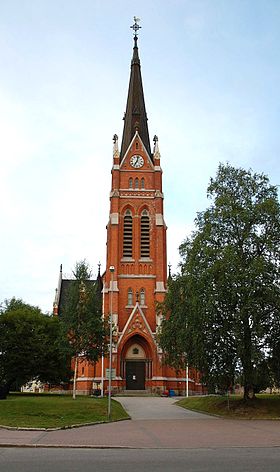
[136, 255]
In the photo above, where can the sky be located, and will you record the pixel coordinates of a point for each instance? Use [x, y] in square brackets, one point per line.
[211, 75]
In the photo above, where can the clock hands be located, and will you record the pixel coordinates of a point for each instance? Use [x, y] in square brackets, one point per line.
[137, 161]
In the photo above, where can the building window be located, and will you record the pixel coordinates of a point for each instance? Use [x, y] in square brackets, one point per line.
[136, 182]
[145, 235]
[130, 183]
[142, 296]
[142, 183]
[130, 297]
[127, 234]
[137, 145]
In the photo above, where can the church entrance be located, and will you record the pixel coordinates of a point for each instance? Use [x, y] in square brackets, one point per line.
[135, 375]
[136, 363]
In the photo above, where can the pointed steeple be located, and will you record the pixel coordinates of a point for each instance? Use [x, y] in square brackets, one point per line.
[135, 118]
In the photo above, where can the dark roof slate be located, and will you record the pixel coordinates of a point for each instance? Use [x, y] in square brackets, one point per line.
[135, 118]
[65, 287]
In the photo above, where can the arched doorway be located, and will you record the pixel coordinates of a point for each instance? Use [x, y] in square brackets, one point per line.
[136, 363]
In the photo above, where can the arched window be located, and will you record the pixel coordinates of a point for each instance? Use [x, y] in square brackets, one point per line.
[130, 297]
[145, 234]
[130, 183]
[136, 182]
[142, 182]
[142, 296]
[127, 234]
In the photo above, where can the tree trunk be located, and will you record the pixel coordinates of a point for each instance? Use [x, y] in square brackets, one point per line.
[4, 390]
[249, 393]
[75, 377]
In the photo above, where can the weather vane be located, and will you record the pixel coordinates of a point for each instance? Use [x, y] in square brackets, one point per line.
[136, 27]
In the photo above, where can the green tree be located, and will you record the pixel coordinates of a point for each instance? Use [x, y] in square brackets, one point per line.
[82, 319]
[30, 346]
[230, 278]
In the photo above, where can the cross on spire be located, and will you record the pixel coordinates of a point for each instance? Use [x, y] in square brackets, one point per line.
[135, 26]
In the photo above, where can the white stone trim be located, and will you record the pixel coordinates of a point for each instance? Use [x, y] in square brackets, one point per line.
[160, 288]
[108, 289]
[99, 379]
[146, 197]
[158, 168]
[174, 379]
[136, 307]
[159, 219]
[116, 166]
[137, 136]
[132, 276]
[113, 286]
[114, 217]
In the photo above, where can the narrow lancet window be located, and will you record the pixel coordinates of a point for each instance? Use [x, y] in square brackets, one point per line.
[142, 183]
[142, 296]
[127, 234]
[145, 234]
[130, 297]
[130, 183]
[136, 182]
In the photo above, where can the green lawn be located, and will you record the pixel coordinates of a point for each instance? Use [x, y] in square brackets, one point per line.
[263, 407]
[51, 411]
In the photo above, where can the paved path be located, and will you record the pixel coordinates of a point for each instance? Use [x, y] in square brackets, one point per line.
[156, 425]
[156, 408]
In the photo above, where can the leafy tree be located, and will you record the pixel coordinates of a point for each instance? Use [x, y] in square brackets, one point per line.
[274, 359]
[30, 346]
[82, 318]
[230, 297]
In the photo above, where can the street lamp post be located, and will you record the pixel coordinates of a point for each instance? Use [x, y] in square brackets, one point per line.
[112, 269]
[187, 380]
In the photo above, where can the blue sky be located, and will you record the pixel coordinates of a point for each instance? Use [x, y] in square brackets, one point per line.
[211, 73]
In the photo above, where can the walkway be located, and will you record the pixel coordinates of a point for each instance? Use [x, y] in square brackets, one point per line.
[156, 423]
[156, 408]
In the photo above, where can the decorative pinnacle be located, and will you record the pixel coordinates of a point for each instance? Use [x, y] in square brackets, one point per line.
[135, 26]
[169, 269]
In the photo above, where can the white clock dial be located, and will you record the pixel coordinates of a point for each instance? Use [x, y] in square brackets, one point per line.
[137, 161]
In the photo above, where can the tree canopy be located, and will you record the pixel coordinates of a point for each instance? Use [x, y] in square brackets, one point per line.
[81, 317]
[30, 346]
[225, 303]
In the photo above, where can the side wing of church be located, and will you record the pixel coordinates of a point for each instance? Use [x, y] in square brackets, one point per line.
[135, 278]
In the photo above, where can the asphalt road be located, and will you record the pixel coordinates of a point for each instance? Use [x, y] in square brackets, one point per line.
[135, 460]
[160, 437]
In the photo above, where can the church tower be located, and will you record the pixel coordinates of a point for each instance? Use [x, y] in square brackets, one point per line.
[136, 266]
[135, 279]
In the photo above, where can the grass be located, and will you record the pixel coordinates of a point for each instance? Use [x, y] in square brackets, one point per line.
[44, 411]
[262, 407]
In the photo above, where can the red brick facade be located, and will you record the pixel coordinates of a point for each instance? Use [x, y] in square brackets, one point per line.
[136, 248]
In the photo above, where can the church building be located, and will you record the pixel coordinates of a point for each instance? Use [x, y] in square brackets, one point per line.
[135, 278]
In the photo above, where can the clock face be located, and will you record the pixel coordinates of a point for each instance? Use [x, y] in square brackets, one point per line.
[137, 161]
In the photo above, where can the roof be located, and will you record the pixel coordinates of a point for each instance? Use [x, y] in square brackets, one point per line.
[65, 287]
[135, 118]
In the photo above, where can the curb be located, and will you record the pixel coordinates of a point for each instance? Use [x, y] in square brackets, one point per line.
[91, 446]
[72, 426]
[67, 446]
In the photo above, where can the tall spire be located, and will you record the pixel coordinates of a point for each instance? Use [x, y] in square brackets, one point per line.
[135, 118]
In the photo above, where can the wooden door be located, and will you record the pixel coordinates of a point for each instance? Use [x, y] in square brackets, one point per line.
[135, 375]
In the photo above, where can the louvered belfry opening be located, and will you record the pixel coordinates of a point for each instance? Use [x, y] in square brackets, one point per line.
[127, 234]
[145, 234]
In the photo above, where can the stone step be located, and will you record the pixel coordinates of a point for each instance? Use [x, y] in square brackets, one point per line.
[134, 393]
